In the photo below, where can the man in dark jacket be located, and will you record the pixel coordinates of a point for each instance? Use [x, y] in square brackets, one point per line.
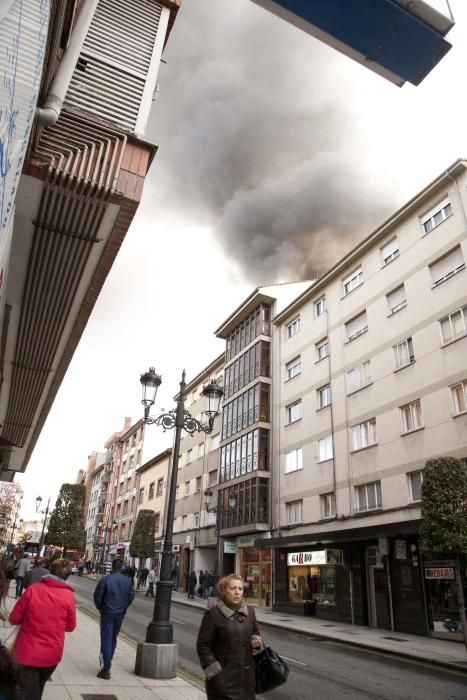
[113, 594]
[35, 574]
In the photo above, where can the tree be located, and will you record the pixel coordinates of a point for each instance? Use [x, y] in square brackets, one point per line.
[144, 534]
[66, 522]
[444, 517]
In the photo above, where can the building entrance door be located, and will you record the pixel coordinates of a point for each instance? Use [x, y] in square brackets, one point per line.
[378, 594]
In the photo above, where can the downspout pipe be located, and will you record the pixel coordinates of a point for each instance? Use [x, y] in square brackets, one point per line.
[48, 114]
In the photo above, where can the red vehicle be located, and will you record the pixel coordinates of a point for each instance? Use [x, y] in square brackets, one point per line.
[71, 554]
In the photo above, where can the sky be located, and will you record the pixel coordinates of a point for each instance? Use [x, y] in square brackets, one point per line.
[276, 156]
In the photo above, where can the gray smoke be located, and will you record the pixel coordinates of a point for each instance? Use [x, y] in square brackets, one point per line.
[258, 140]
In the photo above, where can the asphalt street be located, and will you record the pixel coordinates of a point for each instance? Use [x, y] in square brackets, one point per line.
[319, 669]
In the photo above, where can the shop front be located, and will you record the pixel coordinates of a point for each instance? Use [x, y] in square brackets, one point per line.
[255, 565]
[442, 600]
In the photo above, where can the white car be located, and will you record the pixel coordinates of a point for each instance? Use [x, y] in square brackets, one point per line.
[74, 569]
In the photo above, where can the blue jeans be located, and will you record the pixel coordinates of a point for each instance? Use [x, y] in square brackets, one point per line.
[110, 627]
[19, 585]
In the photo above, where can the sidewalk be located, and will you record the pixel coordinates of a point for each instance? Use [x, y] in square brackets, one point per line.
[434, 651]
[75, 676]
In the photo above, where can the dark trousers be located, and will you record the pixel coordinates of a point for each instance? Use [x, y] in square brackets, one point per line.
[19, 585]
[150, 590]
[33, 679]
[110, 627]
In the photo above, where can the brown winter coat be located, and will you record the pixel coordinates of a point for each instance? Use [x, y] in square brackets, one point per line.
[225, 652]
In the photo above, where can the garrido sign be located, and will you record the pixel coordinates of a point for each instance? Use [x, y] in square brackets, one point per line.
[306, 558]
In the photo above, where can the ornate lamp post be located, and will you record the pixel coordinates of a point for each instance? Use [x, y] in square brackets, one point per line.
[45, 514]
[152, 660]
[219, 509]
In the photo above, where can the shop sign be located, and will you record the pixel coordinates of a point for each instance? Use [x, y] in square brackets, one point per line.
[175, 548]
[230, 547]
[246, 541]
[304, 558]
[383, 545]
[440, 572]
[121, 545]
[401, 549]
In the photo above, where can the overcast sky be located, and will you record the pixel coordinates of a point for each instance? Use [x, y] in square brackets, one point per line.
[276, 155]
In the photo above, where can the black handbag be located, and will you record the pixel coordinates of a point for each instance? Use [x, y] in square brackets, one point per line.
[271, 670]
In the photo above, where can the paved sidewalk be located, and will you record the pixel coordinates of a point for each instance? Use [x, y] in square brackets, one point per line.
[446, 653]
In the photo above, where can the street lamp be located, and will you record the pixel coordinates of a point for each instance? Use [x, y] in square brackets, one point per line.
[160, 630]
[45, 513]
[219, 509]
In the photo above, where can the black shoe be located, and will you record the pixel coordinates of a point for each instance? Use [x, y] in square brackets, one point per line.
[104, 674]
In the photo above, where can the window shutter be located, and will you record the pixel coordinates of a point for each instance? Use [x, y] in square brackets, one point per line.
[115, 62]
[396, 298]
[356, 325]
[446, 265]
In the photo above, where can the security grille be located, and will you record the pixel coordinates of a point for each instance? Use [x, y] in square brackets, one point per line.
[113, 66]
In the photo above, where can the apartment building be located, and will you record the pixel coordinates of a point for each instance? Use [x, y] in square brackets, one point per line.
[246, 466]
[194, 532]
[370, 382]
[97, 482]
[125, 482]
[152, 495]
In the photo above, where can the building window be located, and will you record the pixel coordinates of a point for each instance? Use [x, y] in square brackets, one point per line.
[368, 496]
[415, 480]
[322, 349]
[436, 216]
[358, 377]
[293, 328]
[327, 502]
[174, 527]
[390, 251]
[177, 492]
[187, 488]
[320, 306]
[353, 280]
[364, 434]
[455, 325]
[397, 299]
[213, 477]
[293, 367]
[294, 460]
[215, 441]
[446, 267]
[196, 520]
[160, 487]
[157, 522]
[411, 416]
[293, 512]
[459, 397]
[198, 483]
[189, 456]
[141, 495]
[356, 326]
[201, 450]
[325, 449]
[184, 522]
[324, 396]
[294, 411]
[403, 353]
[151, 490]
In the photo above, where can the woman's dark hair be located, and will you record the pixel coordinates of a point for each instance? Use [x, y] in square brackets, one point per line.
[8, 675]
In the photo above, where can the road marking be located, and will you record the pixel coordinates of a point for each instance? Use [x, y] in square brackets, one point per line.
[174, 619]
[294, 660]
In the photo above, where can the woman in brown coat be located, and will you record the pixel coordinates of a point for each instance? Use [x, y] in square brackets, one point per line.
[227, 640]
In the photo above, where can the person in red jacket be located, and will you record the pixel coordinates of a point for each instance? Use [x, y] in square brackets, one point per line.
[45, 612]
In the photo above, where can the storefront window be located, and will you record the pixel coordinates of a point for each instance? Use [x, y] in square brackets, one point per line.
[442, 599]
[313, 581]
[256, 571]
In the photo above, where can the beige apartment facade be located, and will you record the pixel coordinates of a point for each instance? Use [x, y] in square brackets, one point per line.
[152, 495]
[370, 382]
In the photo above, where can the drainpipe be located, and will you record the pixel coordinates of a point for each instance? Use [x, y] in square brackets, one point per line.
[50, 112]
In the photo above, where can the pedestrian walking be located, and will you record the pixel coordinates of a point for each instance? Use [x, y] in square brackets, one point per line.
[206, 585]
[80, 566]
[112, 596]
[144, 575]
[192, 581]
[22, 568]
[151, 582]
[7, 567]
[44, 612]
[227, 640]
[35, 574]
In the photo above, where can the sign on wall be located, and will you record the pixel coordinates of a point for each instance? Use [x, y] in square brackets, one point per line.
[306, 558]
[440, 572]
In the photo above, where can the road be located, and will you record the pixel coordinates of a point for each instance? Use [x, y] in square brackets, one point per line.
[319, 669]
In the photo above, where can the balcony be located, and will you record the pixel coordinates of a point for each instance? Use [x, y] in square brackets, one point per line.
[252, 510]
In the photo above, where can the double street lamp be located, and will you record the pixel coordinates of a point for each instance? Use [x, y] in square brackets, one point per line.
[45, 514]
[160, 630]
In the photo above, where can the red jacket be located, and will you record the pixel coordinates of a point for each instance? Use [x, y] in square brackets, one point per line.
[45, 611]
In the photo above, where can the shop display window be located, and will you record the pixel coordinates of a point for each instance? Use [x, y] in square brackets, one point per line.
[317, 583]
